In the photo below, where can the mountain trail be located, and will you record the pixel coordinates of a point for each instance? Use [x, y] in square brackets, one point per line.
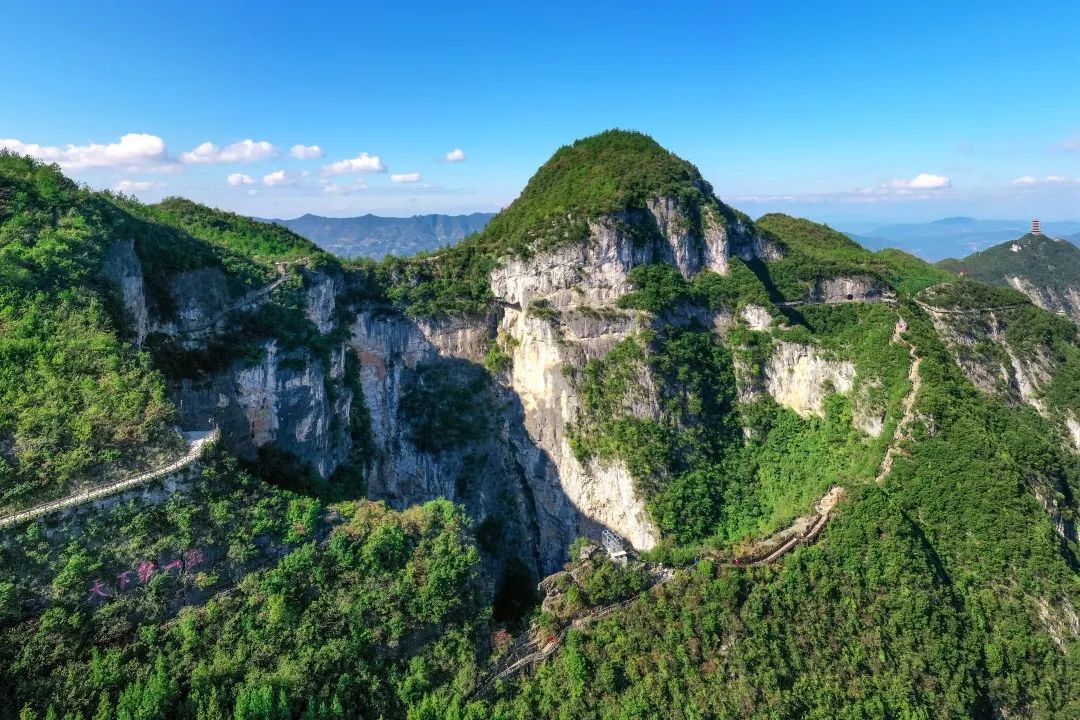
[196, 442]
[250, 298]
[908, 405]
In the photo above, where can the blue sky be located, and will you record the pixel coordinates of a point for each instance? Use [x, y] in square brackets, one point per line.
[850, 113]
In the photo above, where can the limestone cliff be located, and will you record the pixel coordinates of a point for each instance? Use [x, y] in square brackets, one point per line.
[1063, 300]
[121, 266]
[288, 399]
[555, 311]
[576, 287]
[798, 377]
[295, 399]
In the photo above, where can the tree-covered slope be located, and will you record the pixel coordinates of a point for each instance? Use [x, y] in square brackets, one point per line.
[239, 600]
[79, 403]
[943, 592]
[75, 397]
[1042, 260]
[615, 173]
[814, 252]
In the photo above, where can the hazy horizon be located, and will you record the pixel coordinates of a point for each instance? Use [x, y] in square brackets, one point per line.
[807, 111]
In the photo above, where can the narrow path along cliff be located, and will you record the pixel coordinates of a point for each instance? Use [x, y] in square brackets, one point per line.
[530, 648]
[196, 442]
[250, 298]
[908, 405]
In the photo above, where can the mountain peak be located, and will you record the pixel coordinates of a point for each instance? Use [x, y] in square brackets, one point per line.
[594, 176]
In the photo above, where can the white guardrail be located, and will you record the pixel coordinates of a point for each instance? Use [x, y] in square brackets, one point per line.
[198, 440]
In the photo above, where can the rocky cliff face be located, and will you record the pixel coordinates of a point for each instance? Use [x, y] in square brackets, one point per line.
[799, 378]
[577, 286]
[979, 347]
[122, 267]
[297, 400]
[198, 298]
[292, 400]
[442, 425]
[1063, 301]
[859, 288]
[556, 311]
[473, 450]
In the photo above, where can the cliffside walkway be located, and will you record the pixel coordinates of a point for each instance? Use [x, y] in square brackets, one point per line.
[528, 650]
[249, 298]
[196, 442]
[968, 311]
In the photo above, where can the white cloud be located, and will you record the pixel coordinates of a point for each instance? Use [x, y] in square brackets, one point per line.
[1070, 144]
[283, 177]
[455, 155]
[240, 179]
[922, 185]
[1029, 181]
[133, 150]
[253, 191]
[922, 181]
[330, 187]
[132, 186]
[306, 152]
[361, 163]
[244, 151]
[405, 177]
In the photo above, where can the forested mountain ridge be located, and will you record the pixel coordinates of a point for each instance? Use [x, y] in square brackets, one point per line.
[617, 350]
[1044, 269]
[375, 237]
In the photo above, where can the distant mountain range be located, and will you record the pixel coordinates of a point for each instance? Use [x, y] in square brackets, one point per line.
[955, 236]
[374, 236]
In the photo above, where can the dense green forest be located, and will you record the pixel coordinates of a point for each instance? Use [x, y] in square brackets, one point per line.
[73, 394]
[921, 601]
[944, 584]
[78, 401]
[296, 610]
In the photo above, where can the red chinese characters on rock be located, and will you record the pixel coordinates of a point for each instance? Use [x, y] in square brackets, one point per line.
[193, 558]
[145, 572]
[98, 590]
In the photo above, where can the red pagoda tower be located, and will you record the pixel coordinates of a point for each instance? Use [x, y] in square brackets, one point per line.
[1035, 229]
